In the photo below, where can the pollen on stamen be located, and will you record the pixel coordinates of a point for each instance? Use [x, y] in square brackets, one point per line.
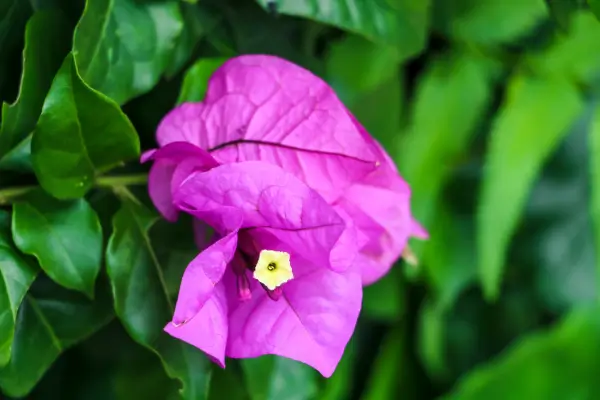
[409, 256]
[273, 268]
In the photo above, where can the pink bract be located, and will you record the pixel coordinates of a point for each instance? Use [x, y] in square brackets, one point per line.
[271, 159]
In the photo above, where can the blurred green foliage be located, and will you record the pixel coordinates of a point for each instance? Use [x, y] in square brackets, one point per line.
[490, 108]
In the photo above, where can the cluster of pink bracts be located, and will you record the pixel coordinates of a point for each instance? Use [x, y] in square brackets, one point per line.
[272, 160]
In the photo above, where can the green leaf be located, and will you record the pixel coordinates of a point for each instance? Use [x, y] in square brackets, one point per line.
[80, 132]
[64, 236]
[227, 384]
[123, 47]
[130, 258]
[13, 14]
[557, 229]
[595, 7]
[195, 81]
[381, 111]
[46, 43]
[432, 147]
[219, 41]
[449, 256]
[366, 76]
[13, 18]
[133, 362]
[562, 10]
[19, 158]
[5, 218]
[560, 363]
[16, 275]
[567, 241]
[177, 249]
[432, 339]
[337, 387]
[145, 307]
[446, 337]
[576, 55]
[360, 65]
[273, 377]
[197, 21]
[595, 186]
[50, 320]
[488, 22]
[385, 380]
[401, 24]
[108, 366]
[276, 36]
[384, 300]
[155, 383]
[534, 117]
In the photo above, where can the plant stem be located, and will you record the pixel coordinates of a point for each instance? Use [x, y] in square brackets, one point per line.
[121, 180]
[6, 195]
[9, 194]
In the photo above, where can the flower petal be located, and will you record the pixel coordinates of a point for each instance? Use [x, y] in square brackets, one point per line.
[207, 330]
[345, 251]
[268, 199]
[312, 322]
[328, 174]
[266, 98]
[172, 164]
[201, 276]
[203, 234]
[183, 124]
[261, 107]
[159, 188]
[386, 219]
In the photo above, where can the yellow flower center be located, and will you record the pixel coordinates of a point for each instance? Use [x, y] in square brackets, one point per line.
[273, 268]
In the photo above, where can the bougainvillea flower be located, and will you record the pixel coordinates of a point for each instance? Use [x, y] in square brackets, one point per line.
[306, 208]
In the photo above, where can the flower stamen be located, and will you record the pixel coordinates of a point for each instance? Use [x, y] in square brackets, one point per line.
[409, 256]
[243, 287]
